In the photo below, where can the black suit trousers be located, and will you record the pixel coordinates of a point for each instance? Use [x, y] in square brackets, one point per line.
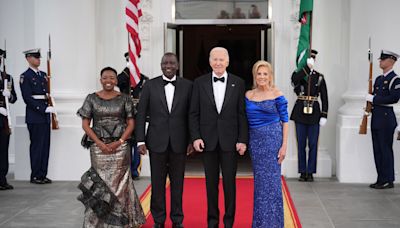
[213, 161]
[4, 141]
[163, 164]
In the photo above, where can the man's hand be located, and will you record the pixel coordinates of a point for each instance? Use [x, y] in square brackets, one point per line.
[142, 149]
[322, 121]
[6, 93]
[310, 63]
[189, 149]
[3, 111]
[398, 128]
[198, 145]
[241, 148]
[50, 109]
[369, 97]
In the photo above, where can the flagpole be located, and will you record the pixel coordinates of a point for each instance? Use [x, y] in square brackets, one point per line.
[311, 13]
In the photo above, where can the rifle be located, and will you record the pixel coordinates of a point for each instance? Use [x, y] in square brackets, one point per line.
[6, 119]
[54, 119]
[368, 107]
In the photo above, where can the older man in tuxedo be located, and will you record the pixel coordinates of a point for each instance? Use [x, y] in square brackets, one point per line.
[218, 128]
[166, 101]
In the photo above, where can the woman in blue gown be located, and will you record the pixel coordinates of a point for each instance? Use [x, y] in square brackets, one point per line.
[267, 115]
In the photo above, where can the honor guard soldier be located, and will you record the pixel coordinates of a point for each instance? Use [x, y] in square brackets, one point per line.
[34, 89]
[385, 94]
[124, 85]
[309, 84]
[8, 92]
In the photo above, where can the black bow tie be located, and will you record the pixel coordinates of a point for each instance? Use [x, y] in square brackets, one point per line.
[167, 82]
[221, 79]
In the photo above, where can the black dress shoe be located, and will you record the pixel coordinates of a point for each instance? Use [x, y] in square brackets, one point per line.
[384, 185]
[158, 225]
[47, 180]
[177, 225]
[303, 177]
[6, 186]
[373, 185]
[310, 178]
[136, 178]
[36, 180]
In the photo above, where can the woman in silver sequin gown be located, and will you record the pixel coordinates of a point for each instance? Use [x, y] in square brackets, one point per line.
[107, 187]
[267, 115]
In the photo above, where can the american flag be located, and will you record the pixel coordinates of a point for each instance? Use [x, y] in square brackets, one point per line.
[133, 12]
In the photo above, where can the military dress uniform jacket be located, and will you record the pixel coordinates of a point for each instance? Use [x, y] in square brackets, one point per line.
[383, 116]
[124, 84]
[35, 85]
[12, 99]
[317, 88]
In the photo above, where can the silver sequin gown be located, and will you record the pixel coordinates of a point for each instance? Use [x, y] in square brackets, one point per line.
[107, 187]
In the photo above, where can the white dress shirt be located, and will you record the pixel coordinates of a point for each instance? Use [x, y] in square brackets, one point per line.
[169, 91]
[388, 72]
[219, 90]
[37, 71]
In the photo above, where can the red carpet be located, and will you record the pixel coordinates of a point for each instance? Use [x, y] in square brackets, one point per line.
[195, 204]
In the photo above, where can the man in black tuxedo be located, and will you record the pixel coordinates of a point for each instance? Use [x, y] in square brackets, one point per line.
[218, 127]
[166, 101]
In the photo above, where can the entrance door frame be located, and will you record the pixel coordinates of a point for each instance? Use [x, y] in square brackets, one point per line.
[168, 26]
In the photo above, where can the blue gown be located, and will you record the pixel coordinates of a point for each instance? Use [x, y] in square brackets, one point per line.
[265, 130]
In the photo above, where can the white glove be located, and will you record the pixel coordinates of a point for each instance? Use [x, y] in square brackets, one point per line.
[6, 93]
[3, 111]
[310, 63]
[50, 109]
[369, 97]
[398, 128]
[322, 121]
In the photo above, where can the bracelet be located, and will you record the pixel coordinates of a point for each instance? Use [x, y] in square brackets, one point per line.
[121, 141]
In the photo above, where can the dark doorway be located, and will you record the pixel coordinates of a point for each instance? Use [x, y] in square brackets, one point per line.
[243, 42]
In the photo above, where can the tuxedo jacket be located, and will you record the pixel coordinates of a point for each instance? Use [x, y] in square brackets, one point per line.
[164, 127]
[227, 127]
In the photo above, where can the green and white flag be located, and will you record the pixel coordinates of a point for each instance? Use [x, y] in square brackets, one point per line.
[303, 48]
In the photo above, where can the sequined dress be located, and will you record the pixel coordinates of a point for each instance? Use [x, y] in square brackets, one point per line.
[107, 187]
[265, 139]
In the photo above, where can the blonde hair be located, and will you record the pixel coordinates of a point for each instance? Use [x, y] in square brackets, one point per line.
[262, 63]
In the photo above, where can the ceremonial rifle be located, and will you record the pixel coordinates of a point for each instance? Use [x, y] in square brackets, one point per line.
[54, 119]
[6, 119]
[368, 107]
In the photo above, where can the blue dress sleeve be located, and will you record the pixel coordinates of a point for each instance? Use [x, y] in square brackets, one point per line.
[282, 106]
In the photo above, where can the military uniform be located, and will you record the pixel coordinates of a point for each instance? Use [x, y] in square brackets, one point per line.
[4, 131]
[386, 92]
[124, 85]
[309, 85]
[34, 91]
